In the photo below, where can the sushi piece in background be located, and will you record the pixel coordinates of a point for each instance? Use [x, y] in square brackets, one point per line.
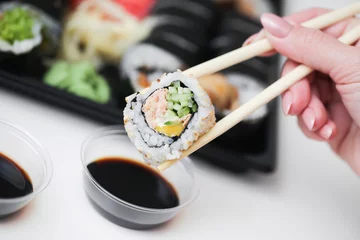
[230, 90]
[28, 38]
[223, 95]
[24, 27]
[168, 117]
[249, 78]
[99, 31]
[177, 41]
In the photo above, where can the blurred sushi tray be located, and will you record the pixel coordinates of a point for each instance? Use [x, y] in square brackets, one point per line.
[86, 56]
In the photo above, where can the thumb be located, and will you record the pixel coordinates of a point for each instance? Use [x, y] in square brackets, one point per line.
[313, 48]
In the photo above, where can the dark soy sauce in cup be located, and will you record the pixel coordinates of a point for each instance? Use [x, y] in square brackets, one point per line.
[14, 181]
[134, 183]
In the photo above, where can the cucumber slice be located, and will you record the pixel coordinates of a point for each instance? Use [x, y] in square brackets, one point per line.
[184, 103]
[184, 97]
[186, 90]
[170, 113]
[183, 112]
[168, 96]
[194, 108]
[171, 123]
[177, 107]
[170, 105]
[175, 97]
[180, 90]
[176, 84]
[172, 90]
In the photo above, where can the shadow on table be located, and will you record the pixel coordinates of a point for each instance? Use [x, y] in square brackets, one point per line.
[17, 216]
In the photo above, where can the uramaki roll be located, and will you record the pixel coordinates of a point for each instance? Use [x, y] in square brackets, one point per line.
[168, 117]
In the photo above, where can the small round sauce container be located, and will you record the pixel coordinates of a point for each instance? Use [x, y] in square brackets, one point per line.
[113, 142]
[25, 168]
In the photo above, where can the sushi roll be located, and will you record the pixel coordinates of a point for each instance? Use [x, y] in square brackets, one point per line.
[20, 31]
[28, 38]
[168, 117]
[144, 63]
[177, 41]
[22, 28]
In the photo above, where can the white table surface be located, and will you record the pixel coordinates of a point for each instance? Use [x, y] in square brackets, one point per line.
[312, 195]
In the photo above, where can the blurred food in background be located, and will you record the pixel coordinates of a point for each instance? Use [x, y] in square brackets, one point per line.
[80, 79]
[222, 94]
[177, 41]
[88, 55]
[253, 8]
[101, 30]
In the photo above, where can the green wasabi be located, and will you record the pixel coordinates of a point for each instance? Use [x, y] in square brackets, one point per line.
[16, 24]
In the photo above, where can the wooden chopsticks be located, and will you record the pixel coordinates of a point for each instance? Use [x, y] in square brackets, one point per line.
[271, 92]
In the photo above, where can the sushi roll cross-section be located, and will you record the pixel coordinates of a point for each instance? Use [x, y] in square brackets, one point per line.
[20, 31]
[168, 117]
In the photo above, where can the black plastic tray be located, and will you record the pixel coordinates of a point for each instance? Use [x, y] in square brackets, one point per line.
[239, 150]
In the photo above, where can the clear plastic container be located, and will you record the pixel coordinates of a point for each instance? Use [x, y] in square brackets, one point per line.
[114, 142]
[22, 148]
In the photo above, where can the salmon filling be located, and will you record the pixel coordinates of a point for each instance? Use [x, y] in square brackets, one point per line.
[169, 110]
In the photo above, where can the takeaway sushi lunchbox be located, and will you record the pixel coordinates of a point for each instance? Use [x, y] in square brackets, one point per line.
[86, 56]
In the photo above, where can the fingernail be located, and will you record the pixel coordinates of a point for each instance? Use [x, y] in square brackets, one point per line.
[275, 25]
[259, 36]
[326, 132]
[249, 40]
[254, 38]
[309, 118]
[287, 102]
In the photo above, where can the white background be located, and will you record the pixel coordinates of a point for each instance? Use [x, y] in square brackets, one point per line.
[312, 195]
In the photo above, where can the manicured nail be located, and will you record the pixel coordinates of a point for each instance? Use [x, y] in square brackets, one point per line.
[309, 118]
[275, 25]
[259, 36]
[250, 39]
[254, 38]
[287, 102]
[326, 132]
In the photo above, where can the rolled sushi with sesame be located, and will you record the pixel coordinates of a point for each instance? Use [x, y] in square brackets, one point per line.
[168, 117]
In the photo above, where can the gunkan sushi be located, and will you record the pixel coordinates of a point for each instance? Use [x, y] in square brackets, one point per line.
[28, 37]
[24, 27]
[168, 117]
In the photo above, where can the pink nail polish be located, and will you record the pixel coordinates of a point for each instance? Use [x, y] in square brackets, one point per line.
[327, 132]
[309, 118]
[287, 102]
[259, 36]
[250, 39]
[275, 25]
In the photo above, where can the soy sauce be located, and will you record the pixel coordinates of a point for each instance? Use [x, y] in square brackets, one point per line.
[134, 183]
[14, 181]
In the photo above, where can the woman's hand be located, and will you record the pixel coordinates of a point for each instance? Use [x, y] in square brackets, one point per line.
[327, 102]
